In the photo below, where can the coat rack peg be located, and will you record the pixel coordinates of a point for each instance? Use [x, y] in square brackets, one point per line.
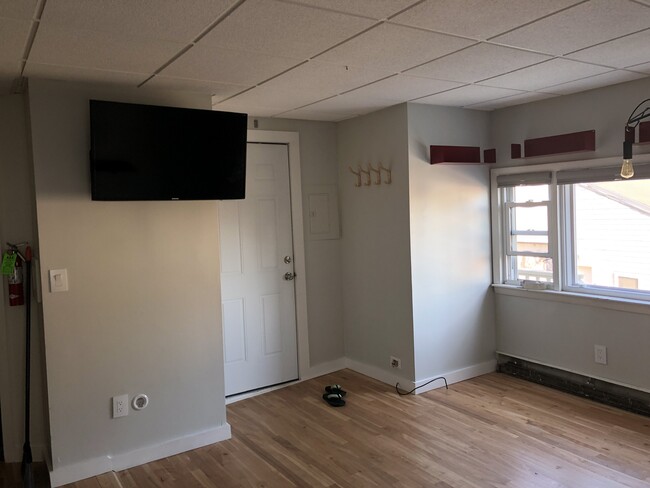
[366, 181]
[378, 172]
[389, 174]
[357, 174]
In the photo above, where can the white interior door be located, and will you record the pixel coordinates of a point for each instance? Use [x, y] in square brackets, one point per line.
[257, 287]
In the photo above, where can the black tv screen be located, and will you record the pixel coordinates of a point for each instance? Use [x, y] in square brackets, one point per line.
[146, 152]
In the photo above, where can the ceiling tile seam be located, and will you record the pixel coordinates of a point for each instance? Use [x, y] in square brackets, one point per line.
[405, 9]
[434, 31]
[543, 62]
[354, 36]
[546, 87]
[640, 3]
[632, 70]
[491, 100]
[308, 104]
[31, 37]
[540, 90]
[440, 57]
[540, 18]
[326, 9]
[220, 18]
[265, 81]
[369, 83]
[609, 40]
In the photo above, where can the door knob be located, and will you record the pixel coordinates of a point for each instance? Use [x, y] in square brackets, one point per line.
[288, 276]
[287, 259]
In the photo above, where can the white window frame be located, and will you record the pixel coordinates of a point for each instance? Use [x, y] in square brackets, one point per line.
[560, 226]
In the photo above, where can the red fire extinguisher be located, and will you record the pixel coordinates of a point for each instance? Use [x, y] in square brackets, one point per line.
[16, 290]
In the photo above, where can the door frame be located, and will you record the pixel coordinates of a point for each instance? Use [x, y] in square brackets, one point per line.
[292, 140]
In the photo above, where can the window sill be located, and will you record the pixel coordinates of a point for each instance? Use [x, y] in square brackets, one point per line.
[610, 303]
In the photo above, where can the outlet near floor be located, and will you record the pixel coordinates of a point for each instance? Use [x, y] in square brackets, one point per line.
[395, 362]
[600, 354]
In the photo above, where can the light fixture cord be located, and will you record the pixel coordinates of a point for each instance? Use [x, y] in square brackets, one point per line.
[633, 120]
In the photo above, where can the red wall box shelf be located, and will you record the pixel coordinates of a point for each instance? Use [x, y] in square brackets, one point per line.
[560, 144]
[515, 151]
[461, 154]
[644, 133]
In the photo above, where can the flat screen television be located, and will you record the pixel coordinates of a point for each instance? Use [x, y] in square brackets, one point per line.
[146, 152]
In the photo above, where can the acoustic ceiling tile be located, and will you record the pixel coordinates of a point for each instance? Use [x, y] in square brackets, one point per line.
[309, 83]
[18, 9]
[477, 63]
[641, 68]
[252, 111]
[467, 95]
[351, 103]
[166, 20]
[99, 50]
[403, 88]
[610, 78]
[393, 47]
[72, 73]
[478, 19]
[283, 29]
[13, 38]
[227, 65]
[579, 27]
[375, 9]
[619, 53]
[545, 74]
[219, 91]
[307, 114]
[527, 97]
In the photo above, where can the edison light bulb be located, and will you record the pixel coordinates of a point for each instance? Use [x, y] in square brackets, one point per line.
[627, 170]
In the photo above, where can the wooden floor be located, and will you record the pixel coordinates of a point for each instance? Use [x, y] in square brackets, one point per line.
[491, 431]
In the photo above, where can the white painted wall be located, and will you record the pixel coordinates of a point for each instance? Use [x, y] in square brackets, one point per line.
[563, 334]
[17, 224]
[453, 306]
[376, 258]
[318, 167]
[143, 311]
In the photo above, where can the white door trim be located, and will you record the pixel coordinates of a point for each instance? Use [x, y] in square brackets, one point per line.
[292, 140]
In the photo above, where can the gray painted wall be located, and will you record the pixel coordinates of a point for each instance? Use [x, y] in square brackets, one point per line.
[318, 167]
[606, 110]
[143, 311]
[375, 254]
[453, 306]
[18, 223]
[563, 334]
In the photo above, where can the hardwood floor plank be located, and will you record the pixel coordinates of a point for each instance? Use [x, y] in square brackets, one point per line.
[493, 431]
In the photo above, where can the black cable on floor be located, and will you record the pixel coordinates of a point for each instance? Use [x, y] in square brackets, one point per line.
[428, 382]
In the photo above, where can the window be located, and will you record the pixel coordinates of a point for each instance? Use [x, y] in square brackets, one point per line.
[577, 230]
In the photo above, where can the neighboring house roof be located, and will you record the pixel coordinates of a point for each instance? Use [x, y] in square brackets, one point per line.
[618, 197]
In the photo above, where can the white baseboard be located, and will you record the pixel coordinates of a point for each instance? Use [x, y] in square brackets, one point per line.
[93, 467]
[379, 374]
[325, 368]
[457, 375]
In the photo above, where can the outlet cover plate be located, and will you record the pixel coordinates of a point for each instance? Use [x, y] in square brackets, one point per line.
[600, 354]
[120, 406]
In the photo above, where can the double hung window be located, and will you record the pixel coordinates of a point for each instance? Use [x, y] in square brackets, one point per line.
[578, 230]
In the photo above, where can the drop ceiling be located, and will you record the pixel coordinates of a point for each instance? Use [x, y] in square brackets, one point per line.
[330, 59]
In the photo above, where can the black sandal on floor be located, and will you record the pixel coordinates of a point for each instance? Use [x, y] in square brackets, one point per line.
[336, 389]
[334, 399]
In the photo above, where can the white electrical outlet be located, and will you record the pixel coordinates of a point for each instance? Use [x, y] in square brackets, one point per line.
[120, 406]
[600, 354]
[395, 362]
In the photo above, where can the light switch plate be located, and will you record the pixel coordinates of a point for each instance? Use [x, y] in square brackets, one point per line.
[58, 280]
